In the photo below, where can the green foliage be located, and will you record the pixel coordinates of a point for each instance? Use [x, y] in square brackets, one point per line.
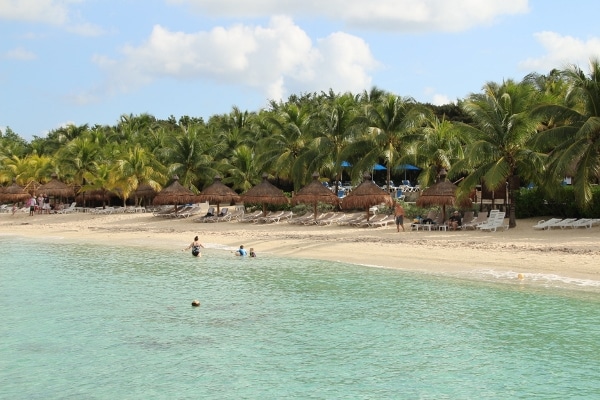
[536, 203]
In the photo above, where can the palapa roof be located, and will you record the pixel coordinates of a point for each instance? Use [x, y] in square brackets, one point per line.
[175, 193]
[265, 193]
[14, 193]
[315, 192]
[367, 194]
[56, 188]
[442, 193]
[217, 192]
[438, 194]
[144, 190]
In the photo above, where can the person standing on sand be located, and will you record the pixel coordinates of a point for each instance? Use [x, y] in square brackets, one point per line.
[32, 204]
[399, 216]
[195, 246]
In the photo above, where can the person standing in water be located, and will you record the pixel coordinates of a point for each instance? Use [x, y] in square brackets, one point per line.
[241, 252]
[195, 246]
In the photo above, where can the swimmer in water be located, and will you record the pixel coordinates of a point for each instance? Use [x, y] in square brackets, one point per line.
[195, 246]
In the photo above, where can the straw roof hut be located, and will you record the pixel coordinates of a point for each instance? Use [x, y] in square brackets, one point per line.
[13, 194]
[145, 192]
[175, 194]
[56, 188]
[442, 193]
[315, 193]
[218, 193]
[366, 195]
[265, 193]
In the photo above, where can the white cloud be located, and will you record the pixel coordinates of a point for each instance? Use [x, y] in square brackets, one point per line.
[440, 100]
[391, 15]
[561, 51]
[48, 11]
[277, 59]
[21, 54]
[53, 12]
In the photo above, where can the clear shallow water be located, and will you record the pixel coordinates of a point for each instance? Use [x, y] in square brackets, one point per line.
[99, 322]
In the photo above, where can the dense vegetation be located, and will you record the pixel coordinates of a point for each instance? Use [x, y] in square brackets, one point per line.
[532, 132]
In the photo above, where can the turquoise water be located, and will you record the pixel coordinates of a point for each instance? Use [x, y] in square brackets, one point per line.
[94, 322]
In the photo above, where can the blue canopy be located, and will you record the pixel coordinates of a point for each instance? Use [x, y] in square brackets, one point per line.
[345, 164]
[407, 167]
[379, 167]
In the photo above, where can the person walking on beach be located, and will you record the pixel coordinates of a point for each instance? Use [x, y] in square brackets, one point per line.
[195, 246]
[399, 216]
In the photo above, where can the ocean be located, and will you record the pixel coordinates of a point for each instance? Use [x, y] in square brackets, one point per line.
[110, 322]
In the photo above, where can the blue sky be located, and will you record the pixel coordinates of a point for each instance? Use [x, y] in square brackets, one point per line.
[91, 61]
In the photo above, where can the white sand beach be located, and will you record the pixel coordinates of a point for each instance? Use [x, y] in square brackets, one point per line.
[569, 253]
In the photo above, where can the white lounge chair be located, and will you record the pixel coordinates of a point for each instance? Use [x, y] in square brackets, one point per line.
[68, 210]
[546, 224]
[582, 223]
[496, 221]
[384, 222]
[565, 223]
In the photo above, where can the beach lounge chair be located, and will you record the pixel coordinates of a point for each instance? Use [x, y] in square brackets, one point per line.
[494, 222]
[190, 212]
[251, 217]
[546, 224]
[582, 223]
[210, 213]
[565, 223]
[68, 210]
[384, 222]
[331, 220]
[352, 218]
[278, 218]
[375, 218]
[219, 217]
[322, 217]
[301, 219]
[270, 217]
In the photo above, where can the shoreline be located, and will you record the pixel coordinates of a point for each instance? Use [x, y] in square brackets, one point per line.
[567, 254]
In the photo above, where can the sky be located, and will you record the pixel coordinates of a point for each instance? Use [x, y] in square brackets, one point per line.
[91, 61]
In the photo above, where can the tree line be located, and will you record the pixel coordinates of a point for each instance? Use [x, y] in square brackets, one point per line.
[530, 132]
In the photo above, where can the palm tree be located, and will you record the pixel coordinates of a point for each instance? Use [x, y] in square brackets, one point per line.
[442, 145]
[336, 124]
[575, 137]
[287, 135]
[78, 158]
[137, 166]
[241, 169]
[191, 156]
[391, 126]
[501, 138]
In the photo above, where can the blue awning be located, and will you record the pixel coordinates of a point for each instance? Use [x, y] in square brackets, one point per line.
[407, 167]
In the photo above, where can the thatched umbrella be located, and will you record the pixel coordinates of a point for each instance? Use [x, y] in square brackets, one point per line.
[175, 194]
[442, 193]
[218, 192]
[144, 191]
[315, 193]
[14, 193]
[366, 195]
[264, 193]
[56, 188]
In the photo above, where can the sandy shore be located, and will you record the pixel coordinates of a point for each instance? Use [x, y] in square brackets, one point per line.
[565, 253]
